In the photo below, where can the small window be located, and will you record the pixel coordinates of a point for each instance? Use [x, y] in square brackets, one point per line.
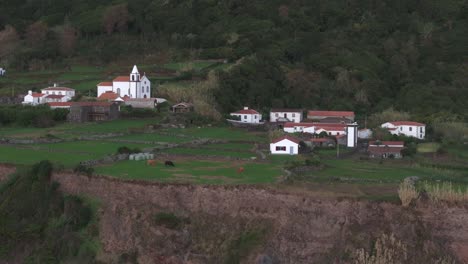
[420, 129]
[401, 128]
[285, 115]
[329, 133]
[293, 115]
[255, 117]
[410, 129]
[245, 117]
[142, 89]
[276, 114]
[133, 77]
[338, 133]
[147, 89]
[280, 148]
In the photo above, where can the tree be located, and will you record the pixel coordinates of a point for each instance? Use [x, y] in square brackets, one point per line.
[67, 36]
[9, 41]
[36, 33]
[115, 18]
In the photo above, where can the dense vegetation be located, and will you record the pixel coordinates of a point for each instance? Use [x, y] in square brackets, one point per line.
[332, 54]
[31, 116]
[38, 224]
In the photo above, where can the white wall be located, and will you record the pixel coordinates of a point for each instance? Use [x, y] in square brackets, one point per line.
[351, 134]
[248, 118]
[287, 144]
[103, 89]
[407, 130]
[295, 117]
[122, 89]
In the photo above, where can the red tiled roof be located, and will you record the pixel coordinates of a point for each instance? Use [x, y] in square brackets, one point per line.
[285, 110]
[108, 95]
[58, 89]
[406, 123]
[387, 143]
[247, 112]
[55, 96]
[91, 104]
[105, 84]
[60, 103]
[380, 150]
[331, 113]
[293, 139]
[37, 94]
[292, 124]
[122, 79]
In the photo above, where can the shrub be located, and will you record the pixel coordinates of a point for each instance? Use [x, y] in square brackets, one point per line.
[168, 220]
[314, 161]
[83, 169]
[387, 250]
[407, 192]
[446, 191]
[127, 150]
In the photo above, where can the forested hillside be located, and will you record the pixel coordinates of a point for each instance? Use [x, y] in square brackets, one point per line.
[362, 55]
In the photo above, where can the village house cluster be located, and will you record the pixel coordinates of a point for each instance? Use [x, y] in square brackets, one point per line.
[326, 129]
[315, 129]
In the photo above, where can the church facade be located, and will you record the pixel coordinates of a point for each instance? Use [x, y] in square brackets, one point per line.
[134, 85]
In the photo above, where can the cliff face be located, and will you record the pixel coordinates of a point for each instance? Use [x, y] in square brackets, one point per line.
[253, 225]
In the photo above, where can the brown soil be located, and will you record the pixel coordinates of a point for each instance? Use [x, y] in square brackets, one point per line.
[302, 228]
[6, 170]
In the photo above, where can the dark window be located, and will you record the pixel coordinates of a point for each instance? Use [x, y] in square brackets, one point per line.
[280, 148]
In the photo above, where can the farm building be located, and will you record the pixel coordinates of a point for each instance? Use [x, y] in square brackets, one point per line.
[133, 85]
[322, 142]
[407, 128]
[81, 112]
[285, 145]
[182, 108]
[286, 115]
[338, 130]
[331, 116]
[63, 105]
[385, 149]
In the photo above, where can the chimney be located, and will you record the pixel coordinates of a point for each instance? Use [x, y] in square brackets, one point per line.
[246, 108]
[29, 92]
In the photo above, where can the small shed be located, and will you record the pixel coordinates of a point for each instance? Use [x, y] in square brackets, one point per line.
[182, 108]
[285, 145]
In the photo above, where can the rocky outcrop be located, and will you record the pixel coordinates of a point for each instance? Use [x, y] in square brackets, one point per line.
[299, 228]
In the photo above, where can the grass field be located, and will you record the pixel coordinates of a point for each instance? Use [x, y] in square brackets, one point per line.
[154, 137]
[224, 133]
[206, 172]
[210, 152]
[66, 153]
[428, 147]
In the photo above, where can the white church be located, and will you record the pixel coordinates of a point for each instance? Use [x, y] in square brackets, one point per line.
[133, 85]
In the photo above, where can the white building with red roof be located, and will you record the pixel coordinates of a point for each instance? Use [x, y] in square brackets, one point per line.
[49, 95]
[285, 145]
[248, 116]
[286, 115]
[134, 85]
[407, 128]
[319, 115]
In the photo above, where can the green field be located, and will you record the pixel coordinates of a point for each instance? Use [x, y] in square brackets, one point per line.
[154, 137]
[224, 133]
[210, 152]
[428, 147]
[206, 172]
[66, 153]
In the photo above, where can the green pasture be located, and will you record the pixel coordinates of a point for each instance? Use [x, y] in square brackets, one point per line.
[387, 171]
[203, 172]
[224, 133]
[154, 137]
[66, 153]
[430, 147]
[197, 65]
[210, 152]
[229, 146]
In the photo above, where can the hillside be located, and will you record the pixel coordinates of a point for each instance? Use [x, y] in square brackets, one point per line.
[365, 56]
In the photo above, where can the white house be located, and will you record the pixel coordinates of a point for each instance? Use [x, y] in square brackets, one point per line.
[349, 129]
[248, 116]
[285, 145]
[33, 98]
[134, 85]
[407, 128]
[49, 95]
[2, 71]
[286, 115]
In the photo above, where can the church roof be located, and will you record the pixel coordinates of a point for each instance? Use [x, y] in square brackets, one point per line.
[135, 69]
[122, 79]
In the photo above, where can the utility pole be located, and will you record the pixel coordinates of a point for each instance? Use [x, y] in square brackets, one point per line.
[337, 149]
